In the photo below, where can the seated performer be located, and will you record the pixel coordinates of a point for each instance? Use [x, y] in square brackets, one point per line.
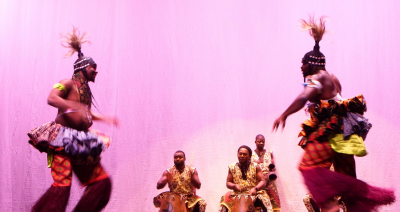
[68, 141]
[265, 160]
[245, 178]
[333, 134]
[182, 180]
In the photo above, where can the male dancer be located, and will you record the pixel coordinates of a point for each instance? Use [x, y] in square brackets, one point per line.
[329, 136]
[265, 160]
[245, 178]
[182, 179]
[70, 144]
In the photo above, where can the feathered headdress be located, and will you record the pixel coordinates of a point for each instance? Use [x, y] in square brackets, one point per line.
[74, 41]
[317, 31]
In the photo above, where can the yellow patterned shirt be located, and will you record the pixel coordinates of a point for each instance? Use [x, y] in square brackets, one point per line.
[265, 162]
[180, 182]
[251, 181]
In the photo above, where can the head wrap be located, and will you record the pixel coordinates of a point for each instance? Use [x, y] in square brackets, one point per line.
[82, 62]
[74, 41]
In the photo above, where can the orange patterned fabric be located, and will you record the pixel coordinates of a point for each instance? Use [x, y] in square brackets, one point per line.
[61, 170]
[317, 155]
[326, 118]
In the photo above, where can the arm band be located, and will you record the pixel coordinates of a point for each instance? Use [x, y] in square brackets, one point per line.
[60, 87]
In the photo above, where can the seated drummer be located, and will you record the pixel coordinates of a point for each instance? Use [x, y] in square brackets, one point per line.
[184, 180]
[264, 158]
[245, 178]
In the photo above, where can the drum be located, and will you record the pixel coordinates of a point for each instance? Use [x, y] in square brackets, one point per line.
[271, 174]
[172, 202]
[243, 203]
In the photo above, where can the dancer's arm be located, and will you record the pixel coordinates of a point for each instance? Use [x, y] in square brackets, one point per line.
[308, 93]
[108, 119]
[57, 97]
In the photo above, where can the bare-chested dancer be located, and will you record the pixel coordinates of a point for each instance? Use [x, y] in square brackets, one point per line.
[70, 144]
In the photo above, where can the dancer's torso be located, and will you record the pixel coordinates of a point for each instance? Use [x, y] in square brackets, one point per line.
[79, 119]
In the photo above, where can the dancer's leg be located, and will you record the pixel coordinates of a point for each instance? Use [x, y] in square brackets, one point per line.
[96, 197]
[56, 197]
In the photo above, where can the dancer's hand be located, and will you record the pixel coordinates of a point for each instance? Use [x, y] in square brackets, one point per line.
[112, 120]
[108, 119]
[279, 121]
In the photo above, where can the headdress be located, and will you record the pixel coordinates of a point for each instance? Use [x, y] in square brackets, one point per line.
[316, 30]
[74, 41]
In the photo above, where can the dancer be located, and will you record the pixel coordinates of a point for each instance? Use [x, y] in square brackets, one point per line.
[265, 160]
[333, 134]
[245, 178]
[182, 180]
[70, 145]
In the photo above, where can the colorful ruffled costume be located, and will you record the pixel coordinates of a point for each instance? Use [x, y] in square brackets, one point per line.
[333, 134]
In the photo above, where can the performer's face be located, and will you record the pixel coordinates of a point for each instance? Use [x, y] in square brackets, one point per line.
[260, 142]
[179, 159]
[243, 155]
[91, 73]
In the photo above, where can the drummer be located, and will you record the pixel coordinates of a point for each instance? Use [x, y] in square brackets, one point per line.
[245, 178]
[264, 158]
[182, 179]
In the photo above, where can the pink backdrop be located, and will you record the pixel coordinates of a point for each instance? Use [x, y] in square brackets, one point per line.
[201, 76]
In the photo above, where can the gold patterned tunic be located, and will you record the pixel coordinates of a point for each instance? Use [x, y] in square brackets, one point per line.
[265, 162]
[251, 180]
[246, 185]
[180, 182]
[271, 187]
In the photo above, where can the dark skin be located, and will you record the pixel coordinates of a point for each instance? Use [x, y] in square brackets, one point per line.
[260, 151]
[179, 161]
[331, 87]
[244, 157]
[68, 99]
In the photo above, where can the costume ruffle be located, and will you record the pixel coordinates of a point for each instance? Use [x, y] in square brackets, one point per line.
[331, 117]
[356, 194]
[77, 143]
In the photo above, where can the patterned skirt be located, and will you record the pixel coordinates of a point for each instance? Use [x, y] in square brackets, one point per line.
[60, 138]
